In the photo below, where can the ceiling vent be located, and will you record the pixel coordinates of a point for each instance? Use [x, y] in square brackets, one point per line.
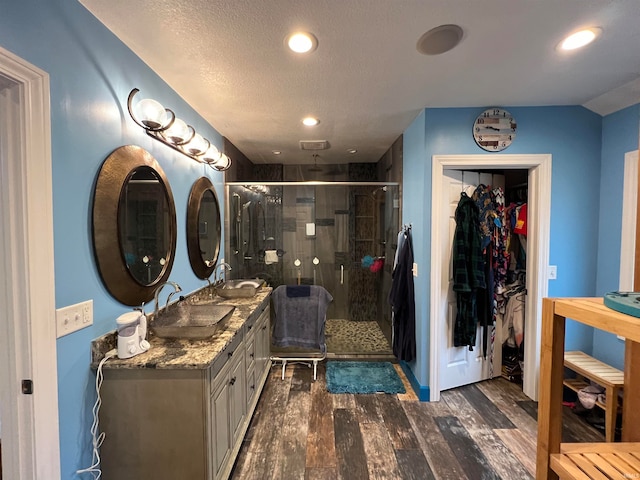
[314, 144]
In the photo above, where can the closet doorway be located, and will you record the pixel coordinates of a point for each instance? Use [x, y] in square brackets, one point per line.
[539, 188]
[503, 192]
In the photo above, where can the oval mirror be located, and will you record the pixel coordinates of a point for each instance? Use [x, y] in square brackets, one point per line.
[134, 225]
[203, 228]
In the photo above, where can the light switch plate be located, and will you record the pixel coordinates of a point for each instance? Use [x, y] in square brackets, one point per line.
[73, 318]
[552, 272]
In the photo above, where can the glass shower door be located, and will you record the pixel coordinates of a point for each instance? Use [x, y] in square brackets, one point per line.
[338, 235]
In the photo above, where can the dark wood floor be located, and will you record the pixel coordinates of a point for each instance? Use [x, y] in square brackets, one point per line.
[481, 431]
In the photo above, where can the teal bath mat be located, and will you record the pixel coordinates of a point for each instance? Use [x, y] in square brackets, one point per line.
[363, 377]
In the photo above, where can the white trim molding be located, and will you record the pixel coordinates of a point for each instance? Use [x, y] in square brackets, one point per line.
[27, 283]
[539, 225]
[629, 206]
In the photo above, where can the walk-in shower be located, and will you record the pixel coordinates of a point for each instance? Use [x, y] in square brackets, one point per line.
[335, 234]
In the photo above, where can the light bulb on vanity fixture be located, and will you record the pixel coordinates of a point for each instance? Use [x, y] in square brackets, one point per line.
[161, 123]
[216, 159]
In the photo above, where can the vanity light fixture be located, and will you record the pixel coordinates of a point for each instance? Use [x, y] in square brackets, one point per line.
[161, 123]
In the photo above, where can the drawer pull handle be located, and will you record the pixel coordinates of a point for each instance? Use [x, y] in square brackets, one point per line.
[253, 387]
[232, 381]
[249, 327]
[252, 355]
[264, 328]
[230, 354]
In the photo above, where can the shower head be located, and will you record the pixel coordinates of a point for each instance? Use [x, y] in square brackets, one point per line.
[383, 188]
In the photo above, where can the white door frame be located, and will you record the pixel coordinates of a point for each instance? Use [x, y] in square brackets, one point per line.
[27, 286]
[539, 220]
[629, 207]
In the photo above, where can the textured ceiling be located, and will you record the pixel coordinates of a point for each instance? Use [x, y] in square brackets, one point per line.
[366, 81]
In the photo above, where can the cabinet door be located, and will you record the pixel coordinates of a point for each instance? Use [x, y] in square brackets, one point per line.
[220, 425]
[251, 385]
[237, 396]
[250, 343]
[263, 343]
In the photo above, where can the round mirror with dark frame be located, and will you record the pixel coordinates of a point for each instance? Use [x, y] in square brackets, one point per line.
[203, 228]
[134, 225]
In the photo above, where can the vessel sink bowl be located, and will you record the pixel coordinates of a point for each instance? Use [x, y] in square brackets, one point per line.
[189, 321]
[240, 288]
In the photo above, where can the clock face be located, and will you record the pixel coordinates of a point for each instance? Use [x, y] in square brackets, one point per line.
[494, 129]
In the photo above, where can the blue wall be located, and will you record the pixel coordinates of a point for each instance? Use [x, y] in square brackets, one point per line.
[416, 174]
[572, 135]
[91, 74]
[619, 136]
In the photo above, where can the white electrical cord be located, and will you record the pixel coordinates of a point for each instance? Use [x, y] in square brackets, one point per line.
[94, 469]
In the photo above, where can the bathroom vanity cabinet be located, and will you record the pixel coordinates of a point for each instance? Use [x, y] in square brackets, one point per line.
[185, 415]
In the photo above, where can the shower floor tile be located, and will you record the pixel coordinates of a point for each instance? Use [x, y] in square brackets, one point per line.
[347, 336]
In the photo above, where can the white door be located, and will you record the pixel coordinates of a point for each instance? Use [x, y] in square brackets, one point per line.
[458, 365]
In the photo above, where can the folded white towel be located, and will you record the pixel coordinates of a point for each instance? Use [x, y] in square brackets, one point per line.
[270, 256]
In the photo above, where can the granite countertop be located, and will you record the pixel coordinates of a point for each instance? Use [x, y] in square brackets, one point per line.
[184, 354]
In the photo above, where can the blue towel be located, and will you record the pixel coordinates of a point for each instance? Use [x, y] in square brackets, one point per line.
[299, 321]
[298, 291]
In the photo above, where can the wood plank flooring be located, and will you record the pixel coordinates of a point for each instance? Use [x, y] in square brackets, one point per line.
[482, 431]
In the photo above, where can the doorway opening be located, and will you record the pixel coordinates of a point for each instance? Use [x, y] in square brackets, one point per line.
[539, 206]
[501, 195]
[30, 438]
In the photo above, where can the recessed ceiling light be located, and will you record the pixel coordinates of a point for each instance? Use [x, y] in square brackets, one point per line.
[352, 151]
[276, 152]
[302, 42]
[310, 121]
[580, 39]
[439, 40]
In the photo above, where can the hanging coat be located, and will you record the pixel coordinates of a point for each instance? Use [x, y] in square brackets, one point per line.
[403, 304]
[468, 271]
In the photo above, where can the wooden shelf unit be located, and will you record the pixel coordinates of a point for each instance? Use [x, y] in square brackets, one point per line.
[594, 460]
[609, 378]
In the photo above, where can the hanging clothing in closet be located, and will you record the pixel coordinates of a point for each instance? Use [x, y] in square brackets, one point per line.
[480, 265]
[489, 258]
[402, 299]
[468, 271]
[512, 301]
[513, 320]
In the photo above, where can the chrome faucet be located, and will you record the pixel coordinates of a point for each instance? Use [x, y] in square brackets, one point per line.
[221, 266]
[176, 288]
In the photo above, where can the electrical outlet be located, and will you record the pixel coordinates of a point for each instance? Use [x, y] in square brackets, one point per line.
[73, 318]
[87, 313]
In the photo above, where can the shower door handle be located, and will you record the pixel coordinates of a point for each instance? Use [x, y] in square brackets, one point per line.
[341, 274]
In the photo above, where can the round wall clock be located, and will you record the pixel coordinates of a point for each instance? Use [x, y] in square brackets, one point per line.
[494, 129]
